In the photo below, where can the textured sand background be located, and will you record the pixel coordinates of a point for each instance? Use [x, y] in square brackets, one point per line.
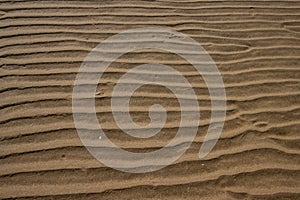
[256, 46]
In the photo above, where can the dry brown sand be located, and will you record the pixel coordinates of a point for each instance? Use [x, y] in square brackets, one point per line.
[256, 46]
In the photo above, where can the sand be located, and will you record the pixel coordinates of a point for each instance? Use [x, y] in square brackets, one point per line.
[256, 46]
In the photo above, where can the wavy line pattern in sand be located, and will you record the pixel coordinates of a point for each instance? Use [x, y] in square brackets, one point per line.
[256, 46]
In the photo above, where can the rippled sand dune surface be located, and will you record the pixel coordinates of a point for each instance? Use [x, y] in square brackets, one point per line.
[256, 47]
